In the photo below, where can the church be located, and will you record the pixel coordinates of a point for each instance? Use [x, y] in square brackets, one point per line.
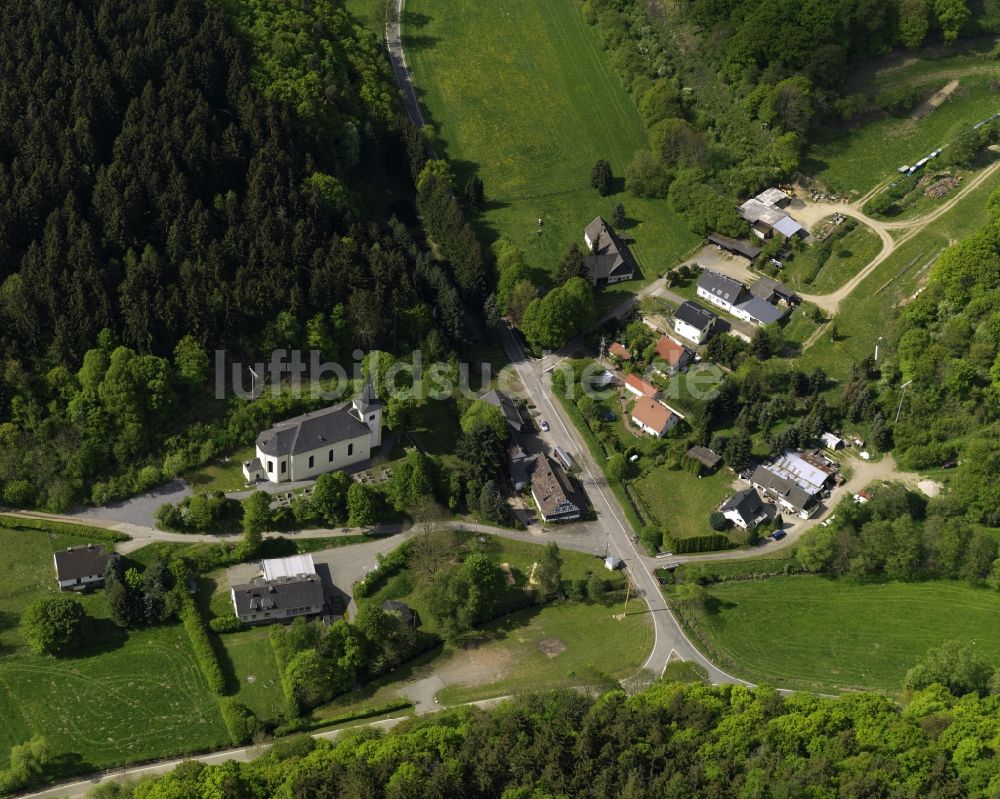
[320, 441]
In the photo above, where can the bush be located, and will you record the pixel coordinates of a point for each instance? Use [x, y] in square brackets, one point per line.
[229, 623]
[699, 543]
[717, 521]
[53, 625]
[65, 528]
[307, 725]
[204, 652]
[241, 724]
[387, 566]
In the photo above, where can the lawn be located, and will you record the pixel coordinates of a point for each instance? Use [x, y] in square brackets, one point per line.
[129, 698]
[534, 136]
[221, 474]
[849, 254]
[862, 318]
[812, 633]
[681, 502]
[597, 647]
[857, 159]
[256, 670]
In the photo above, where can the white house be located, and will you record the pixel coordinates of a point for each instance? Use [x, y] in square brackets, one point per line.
[264, 601]
[321, 441]
[79, 567]
[694, 322]
[654, 417]
[720, 290]
[744, 509]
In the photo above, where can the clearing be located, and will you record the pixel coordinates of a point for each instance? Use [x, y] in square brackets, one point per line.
[534, 136]
[817, 634]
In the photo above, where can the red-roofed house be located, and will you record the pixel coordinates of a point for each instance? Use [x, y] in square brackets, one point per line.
[618, 351]
[636, 385]
[670, 356]
[654, 417]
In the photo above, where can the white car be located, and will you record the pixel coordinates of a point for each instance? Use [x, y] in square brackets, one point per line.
[544, 426]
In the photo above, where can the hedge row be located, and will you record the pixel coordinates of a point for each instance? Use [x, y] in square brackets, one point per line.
[388, 566]
[65, 528]
[229, 623]
[698, 543]
[241, 724]
[202, 645]
[308, 725]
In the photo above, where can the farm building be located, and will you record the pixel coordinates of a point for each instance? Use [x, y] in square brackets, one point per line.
[708, 459]
[609, 260]
[757, 312]
[766, 217]
[735, 246]
[770, 290]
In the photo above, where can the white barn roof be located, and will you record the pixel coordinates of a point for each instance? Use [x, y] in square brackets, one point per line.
[276, 568]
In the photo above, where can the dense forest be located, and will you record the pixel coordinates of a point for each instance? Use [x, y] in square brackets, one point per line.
[173, 180]
[731, 90]
[671, 740]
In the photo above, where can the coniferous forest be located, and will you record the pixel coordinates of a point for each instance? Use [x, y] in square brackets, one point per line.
[174, 179]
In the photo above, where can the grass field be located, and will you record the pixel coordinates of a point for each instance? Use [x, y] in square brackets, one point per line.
[597, 647]
[856, 159]
[817, 634]
[534, 135]
[256, 671]
[129, 698]
[220, 475]
[681, 502]
[849, 254]
[863, 316]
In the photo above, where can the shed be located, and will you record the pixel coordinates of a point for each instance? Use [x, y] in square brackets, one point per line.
[404, 611]
[613, 563]
[704, 456]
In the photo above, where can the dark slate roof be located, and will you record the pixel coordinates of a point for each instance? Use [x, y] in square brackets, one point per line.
[775, 484]
[695, 315]
[721, 286]
[705, 456]
[283, 594]
[761, 310]
[395, 606]
[84, 561]
[509, 408]
[738, 246]
[747, 503]
[553, 490]
[769, 289]
[369, 396]
[313, 430]
[610, 257]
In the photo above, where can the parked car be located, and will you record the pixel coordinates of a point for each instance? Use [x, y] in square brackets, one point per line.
[544, 426]
[777, 535]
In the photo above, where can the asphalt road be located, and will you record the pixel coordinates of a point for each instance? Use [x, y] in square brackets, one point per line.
[670, 641]
[394, 43]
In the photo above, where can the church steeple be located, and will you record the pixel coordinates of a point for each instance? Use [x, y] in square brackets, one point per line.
[369, 409]
[369, 396]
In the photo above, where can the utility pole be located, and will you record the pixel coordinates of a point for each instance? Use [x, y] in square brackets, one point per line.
[876, 348]
[254, 377]
[902, 394]
[628, 591]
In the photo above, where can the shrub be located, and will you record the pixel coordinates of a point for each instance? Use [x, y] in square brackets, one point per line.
[699, 543]
[388, 566]
[66, 528]
[241, 724]
[717, 521]
[229, 623]
[53, 625]
[204, 652]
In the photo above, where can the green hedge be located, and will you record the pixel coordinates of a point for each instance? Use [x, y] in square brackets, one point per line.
[240, 721]
[65, 528]
[229, 623]
[698, 543]
[308, 725]
[388, 566]
[204, 652]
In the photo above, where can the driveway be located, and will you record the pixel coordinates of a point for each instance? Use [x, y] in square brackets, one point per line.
[137, 510]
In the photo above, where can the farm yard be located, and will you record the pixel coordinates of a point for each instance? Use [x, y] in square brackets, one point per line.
[819, 269]
[534, 136]
[812, 633]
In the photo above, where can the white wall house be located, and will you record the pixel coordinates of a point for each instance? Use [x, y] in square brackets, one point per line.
[265, 601]
[720, 290]
[80, 567]
[694, 323]
[321, 441]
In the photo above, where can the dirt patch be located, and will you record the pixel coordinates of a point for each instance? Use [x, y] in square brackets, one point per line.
[930, 487]
[532, 574]
[550, 647]
[932, 102]
[508, 575]
[480, 666]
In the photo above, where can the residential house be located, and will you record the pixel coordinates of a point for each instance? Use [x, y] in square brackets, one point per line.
[80, 567]
[553, 492]
[744, 509]
[609, 260]
[671, 357]
[510, 409]
[520, 466]
[320, 441]
[720, 290]
[263, 601]
[708, 459]
[654, 417]
[785, 493]
[757, 312]
[694, 322]
[617, 350]
[735, 246]
[641, 388]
